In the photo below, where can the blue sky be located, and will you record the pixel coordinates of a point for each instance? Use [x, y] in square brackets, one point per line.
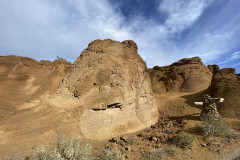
[164, 30]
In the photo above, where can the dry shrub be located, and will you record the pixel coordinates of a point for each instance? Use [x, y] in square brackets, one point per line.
[212, 126]
[160, 153]
[69, 149]
[183, 139]
[111, 154]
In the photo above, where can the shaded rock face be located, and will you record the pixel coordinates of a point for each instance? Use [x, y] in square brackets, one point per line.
[226, 84]
[186, 75]
[111, 88]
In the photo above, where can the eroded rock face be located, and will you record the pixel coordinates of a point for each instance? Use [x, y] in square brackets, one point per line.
[226, 84]
[111, 87]
[25, 82]
[186, 75]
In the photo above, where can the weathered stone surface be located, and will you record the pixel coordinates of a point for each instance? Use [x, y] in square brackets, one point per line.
[59, 65]
[24, 80]
[214, 68]
[110, 86]
[186, 75]
[226, 84]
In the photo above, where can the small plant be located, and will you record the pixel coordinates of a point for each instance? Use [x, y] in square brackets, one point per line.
[183, 139]
[110, 154]
[160, 153]
[132, 140]
[155, 154]
[15, 156]
[212, 126]
[171, 151]
[69, 149]
[237, 128]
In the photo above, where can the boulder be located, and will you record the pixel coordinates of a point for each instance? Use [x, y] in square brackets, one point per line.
[186, 75]
[110, 86]
[226, 84]
[213, 68]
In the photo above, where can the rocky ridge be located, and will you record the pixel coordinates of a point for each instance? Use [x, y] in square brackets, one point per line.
[226, 84]
[186, 75]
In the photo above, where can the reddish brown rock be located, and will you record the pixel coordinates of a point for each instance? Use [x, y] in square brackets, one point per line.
[226, 84]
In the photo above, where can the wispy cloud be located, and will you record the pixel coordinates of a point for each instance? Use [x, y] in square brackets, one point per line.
[232, 57]
[182, 13]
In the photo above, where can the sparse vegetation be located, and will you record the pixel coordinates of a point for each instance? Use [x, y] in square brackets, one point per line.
[216, 127]
[60, 58]
[237, 128]
[69, 149]
[160, 153]
[15, 156]
[110, 154]
[132, 140]
[183, 139]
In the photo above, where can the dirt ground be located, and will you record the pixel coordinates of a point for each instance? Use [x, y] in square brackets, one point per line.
[23, 128]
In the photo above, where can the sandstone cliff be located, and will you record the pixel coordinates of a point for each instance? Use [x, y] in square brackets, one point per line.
[111, 87]
[24, 82]
[186, 75]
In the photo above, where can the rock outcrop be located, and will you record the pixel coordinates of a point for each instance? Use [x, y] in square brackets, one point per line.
[59, 65]
[186, 75]
[110, 86]
[226, 84]
[24, 82]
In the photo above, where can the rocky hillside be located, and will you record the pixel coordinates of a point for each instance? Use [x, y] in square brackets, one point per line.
[25, 82]
[186, 75]
[226, 84]
[109, 98]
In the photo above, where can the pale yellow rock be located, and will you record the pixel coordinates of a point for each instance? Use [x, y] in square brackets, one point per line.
[110, 85]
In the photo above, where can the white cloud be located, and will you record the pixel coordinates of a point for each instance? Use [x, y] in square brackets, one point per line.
[43, 29]
[182, 13]
[232, 57]
[209, 46]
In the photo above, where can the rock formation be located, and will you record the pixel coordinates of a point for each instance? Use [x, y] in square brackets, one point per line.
[111, 88]
[226, 84]
[24, 82]
[186, 75]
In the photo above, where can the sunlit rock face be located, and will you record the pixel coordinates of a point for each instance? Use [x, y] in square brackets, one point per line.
[185, 75]
[111, 88]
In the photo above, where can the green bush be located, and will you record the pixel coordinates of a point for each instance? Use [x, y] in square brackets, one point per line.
[183, 139]
[212, 126]
[110, 154]
[69, 149]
